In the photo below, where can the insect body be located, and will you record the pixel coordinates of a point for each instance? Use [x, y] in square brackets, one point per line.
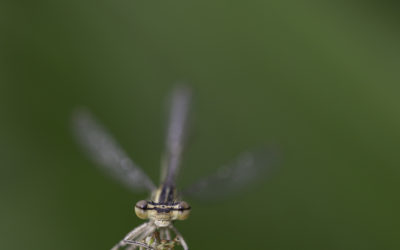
[165, 205]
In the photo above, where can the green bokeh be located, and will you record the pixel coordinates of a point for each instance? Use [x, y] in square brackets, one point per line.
[319, 79]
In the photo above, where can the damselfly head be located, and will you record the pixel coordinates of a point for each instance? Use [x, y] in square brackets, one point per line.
[162, 213]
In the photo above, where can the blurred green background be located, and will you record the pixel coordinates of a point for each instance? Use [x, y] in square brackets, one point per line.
[318, 78]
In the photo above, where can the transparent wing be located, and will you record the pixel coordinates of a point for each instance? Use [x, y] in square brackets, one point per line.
[249, 167]
[176, 134]
[103, 149]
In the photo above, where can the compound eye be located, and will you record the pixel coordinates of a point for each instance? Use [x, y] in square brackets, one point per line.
[183, 210]
[141, 209]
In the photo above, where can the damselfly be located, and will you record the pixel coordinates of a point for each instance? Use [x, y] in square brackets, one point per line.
[165, 204]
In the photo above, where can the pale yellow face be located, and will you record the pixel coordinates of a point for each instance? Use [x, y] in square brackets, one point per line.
[162, 214]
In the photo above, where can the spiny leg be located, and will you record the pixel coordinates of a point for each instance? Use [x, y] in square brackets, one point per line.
[140, 239]
[131, 235]
[161, 236]
[150, 229]
[135, 244]
[167, 235]
[180, 237]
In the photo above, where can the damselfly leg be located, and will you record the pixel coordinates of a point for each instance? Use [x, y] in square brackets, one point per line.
[135, 236]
